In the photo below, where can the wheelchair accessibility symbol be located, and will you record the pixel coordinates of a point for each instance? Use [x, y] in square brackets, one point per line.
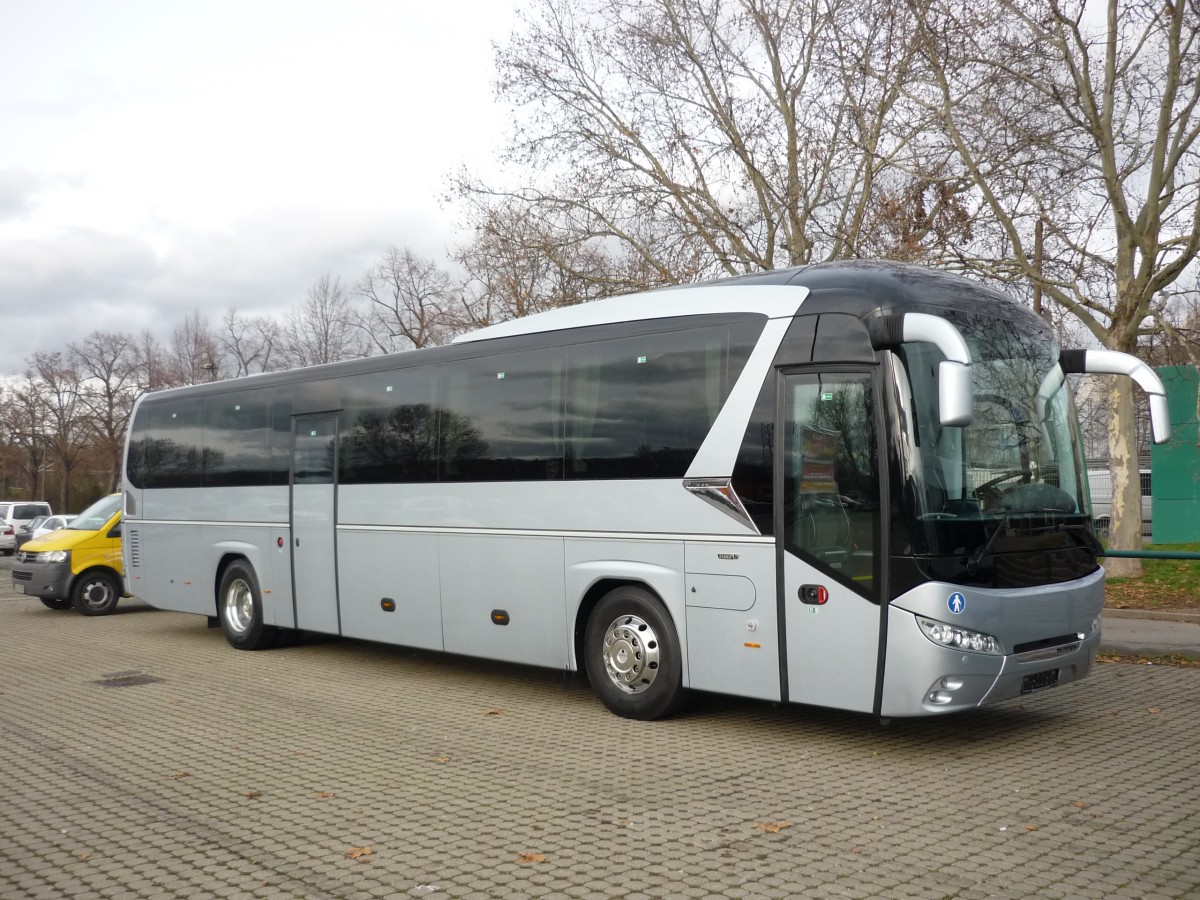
[957, 603]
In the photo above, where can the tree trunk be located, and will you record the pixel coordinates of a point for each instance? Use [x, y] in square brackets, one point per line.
[1125, 518]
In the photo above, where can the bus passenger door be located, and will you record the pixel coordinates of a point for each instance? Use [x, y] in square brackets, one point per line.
[827, 531]
[314, 523]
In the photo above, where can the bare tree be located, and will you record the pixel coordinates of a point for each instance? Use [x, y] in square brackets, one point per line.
[411, 302]
[690, 138]
[25, 423]
[324, 328]
[250, 345]
[65, 425]
[110, 383]
[194, 355]
[1076, 123]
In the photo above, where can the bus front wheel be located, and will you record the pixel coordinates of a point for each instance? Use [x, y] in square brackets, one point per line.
[95, 593]
[240, 606]
[632, 655]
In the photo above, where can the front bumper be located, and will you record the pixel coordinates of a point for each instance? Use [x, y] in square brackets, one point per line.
[922, 679]
[36, 579]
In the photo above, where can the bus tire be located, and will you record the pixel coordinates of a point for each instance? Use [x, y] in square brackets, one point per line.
[57, 602]
[240, 609]
[632, 655]
[95, 593]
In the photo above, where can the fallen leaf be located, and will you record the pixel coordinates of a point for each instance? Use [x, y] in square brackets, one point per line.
[358, 852]
[527, 858]
[85, 856]
[1154, 709]
[494, 712]
[772, 827]
[443, 759]
[182, 773]
[1031, 828]
[252, 793]
[323, 795]
[1081, 804]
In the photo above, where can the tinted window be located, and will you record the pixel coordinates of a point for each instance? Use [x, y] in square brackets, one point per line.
[165, 449]
[390, 430]
[640, 407]
[237, 439]
[752, 472]
[315, 449]
[281, 435]
[504, 418]
[831, 475]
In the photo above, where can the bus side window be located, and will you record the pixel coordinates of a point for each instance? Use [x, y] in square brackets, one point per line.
[831, 478]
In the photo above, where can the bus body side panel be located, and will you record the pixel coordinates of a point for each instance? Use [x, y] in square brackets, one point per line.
[658, 565]
[173, 565]
[1059, 624]
[732, 622]
[378, 566]
[502, 597]
[645, 507]
[167, 569]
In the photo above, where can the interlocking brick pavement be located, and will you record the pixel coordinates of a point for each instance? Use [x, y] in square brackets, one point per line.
[140, 756]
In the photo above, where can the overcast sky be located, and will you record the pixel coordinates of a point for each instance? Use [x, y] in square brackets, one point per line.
[158, 156]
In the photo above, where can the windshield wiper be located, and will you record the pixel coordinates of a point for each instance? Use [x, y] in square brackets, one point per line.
[982, 550]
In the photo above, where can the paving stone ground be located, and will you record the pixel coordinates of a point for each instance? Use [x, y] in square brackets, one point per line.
[141, 756]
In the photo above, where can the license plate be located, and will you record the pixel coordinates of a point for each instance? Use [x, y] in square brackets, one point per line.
[1039, 681]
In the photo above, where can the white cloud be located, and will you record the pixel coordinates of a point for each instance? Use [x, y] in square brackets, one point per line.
[165, 156]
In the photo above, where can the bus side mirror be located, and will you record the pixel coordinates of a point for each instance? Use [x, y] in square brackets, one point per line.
[955, 394]
[1112, 362]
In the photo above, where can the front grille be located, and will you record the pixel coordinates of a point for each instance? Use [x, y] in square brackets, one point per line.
[1046, 642]
[22, 576]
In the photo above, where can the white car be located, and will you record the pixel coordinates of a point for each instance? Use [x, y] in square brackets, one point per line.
[14, 515]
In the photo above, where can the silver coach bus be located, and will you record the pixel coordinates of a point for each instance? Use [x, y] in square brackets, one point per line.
[855, 485]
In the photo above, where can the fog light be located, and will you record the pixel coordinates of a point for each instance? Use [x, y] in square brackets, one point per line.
[951, 683]
[959, 638]
[941, 698]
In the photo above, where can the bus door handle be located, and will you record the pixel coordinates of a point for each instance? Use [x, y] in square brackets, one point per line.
[814, 594]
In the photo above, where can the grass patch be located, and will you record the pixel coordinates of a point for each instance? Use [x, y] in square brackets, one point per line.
[1165, 583]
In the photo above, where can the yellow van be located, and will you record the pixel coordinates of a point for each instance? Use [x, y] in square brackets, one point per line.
[79, 565]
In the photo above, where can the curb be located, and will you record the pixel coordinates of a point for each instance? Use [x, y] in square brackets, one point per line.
[1159, 615]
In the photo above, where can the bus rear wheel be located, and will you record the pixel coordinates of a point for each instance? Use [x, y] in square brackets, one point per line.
[632, 655]
[95, 594]
[240, 607]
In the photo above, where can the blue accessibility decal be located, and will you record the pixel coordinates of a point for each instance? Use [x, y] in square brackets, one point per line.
[956, 603]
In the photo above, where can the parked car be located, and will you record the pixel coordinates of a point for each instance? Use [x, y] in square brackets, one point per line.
[13, 515]
[40, 526]
[79, 565]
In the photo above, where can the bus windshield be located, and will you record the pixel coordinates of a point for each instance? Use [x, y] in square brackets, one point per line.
[1015, 472]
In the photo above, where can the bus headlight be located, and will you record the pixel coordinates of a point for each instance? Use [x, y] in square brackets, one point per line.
[959, 638]
[54, 556]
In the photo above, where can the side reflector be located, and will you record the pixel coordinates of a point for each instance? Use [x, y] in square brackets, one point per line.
[387, 604]
[499, 617]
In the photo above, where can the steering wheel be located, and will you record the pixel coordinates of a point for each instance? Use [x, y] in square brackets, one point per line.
[988, 493]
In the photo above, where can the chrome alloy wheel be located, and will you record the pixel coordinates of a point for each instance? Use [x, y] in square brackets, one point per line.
[631, 654]
[239, 606]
